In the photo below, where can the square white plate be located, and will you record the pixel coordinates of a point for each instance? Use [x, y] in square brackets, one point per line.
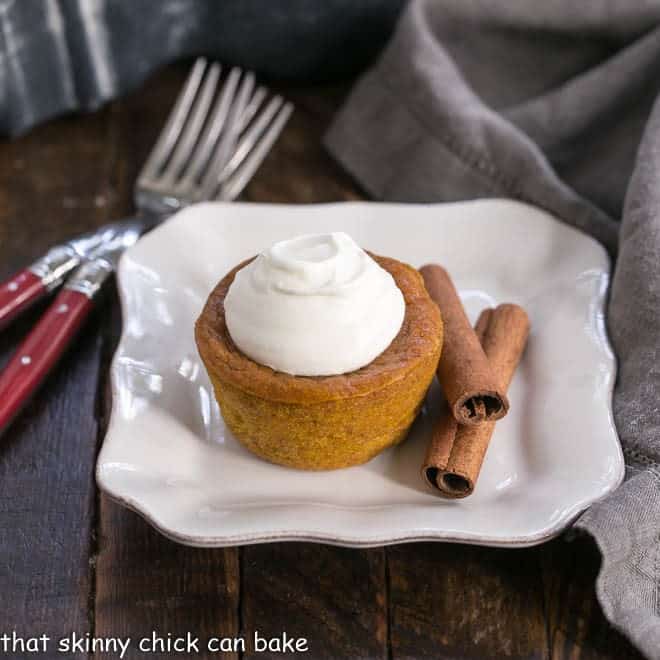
[169, 456]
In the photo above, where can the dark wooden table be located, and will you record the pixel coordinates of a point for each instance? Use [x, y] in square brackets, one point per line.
[72, 560]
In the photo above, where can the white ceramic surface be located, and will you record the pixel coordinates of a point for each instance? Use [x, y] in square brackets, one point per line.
[169, 456]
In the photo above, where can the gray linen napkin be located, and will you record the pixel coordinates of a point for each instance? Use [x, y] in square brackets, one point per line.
[550, 103]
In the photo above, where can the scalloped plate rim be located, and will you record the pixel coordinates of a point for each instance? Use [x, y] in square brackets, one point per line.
[341, 539]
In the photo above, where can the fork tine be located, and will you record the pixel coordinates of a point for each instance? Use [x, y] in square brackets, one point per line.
[251, 136]
[213, 129]
[254, 104]
[227, 139]
[233, 186]
[201, 155]
[193, 127]
[175, 122]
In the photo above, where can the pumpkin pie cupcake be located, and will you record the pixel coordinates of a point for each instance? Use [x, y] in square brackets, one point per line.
[320, 354]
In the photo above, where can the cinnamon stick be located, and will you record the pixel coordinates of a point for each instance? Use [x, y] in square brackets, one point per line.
[456, 453]
[473, 392]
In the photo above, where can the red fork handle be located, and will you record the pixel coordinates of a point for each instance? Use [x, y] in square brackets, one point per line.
[18, 293]
[40, 351]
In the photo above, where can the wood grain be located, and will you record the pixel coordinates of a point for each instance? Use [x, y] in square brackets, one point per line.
[335, 598]
[146, 583]
[52, 184]
[72, 563]
[449, 601]
[576, 626]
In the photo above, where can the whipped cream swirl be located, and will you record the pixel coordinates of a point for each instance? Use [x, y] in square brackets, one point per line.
[315, 305]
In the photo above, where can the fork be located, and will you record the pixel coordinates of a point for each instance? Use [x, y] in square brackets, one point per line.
[205, 153]
[211, 145]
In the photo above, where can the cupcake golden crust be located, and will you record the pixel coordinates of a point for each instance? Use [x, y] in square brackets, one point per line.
[324, 422]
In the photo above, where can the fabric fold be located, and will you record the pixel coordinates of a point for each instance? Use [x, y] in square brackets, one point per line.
[414, 130]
